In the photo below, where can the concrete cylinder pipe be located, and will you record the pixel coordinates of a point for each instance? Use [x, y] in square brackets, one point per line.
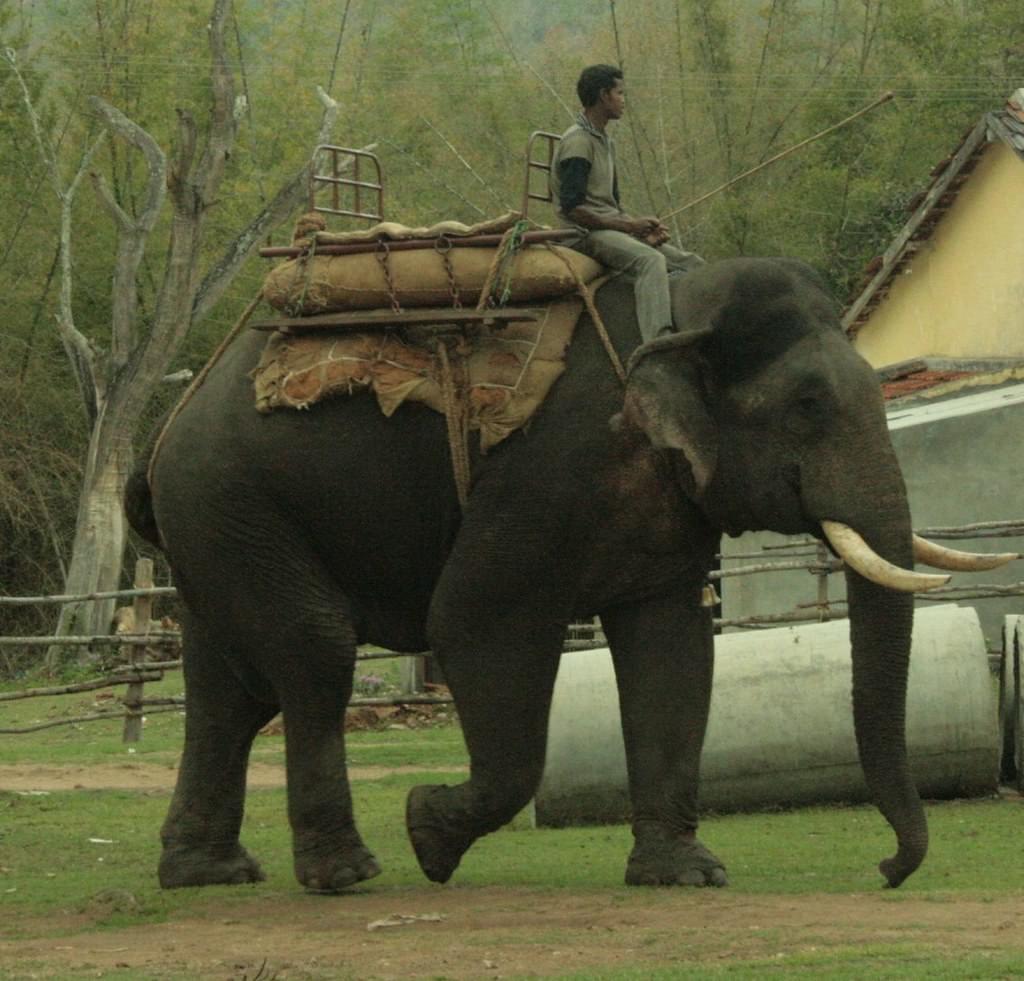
[781, 726]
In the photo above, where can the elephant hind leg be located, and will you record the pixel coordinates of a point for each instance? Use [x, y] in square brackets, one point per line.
[307, 653]
[200, 832]
[329, 854]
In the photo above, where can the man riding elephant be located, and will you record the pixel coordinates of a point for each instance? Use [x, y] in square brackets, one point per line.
[584, 182]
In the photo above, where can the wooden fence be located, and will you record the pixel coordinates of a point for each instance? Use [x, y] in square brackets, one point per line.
[147, 653]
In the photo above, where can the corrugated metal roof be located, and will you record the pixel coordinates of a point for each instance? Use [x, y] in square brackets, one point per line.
[930, 206]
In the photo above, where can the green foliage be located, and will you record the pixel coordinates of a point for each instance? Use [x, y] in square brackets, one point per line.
[449, 91]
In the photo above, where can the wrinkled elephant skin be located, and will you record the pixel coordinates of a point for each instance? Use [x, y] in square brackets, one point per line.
[295, 536]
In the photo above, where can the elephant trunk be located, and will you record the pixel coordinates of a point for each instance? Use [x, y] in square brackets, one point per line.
[881, 622]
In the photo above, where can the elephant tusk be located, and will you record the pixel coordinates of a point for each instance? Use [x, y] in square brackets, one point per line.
[940, 557]
[860, 557]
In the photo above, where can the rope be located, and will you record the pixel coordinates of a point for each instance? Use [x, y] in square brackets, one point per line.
[453, 396]
[303, 267]
[510, 243]
[588, 302]
[200, 378]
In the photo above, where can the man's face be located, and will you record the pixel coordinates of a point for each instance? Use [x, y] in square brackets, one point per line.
[614, 100]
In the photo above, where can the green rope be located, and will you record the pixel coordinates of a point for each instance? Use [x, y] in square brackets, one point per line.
[513, 243]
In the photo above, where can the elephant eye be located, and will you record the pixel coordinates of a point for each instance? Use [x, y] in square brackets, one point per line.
[806, 414]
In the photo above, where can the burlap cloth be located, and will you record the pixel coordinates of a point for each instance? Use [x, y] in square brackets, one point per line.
[510, 369]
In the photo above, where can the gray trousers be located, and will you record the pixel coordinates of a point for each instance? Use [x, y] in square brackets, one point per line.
[649, 269]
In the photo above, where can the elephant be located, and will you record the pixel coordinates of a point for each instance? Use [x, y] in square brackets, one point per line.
[293, 537]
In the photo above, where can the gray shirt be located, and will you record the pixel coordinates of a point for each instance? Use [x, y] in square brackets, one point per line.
[584, 141]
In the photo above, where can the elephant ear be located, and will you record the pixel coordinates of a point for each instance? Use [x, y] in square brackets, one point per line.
[665, 399]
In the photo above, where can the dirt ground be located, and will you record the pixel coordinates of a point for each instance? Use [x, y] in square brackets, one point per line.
[147, 776]
[470, 932]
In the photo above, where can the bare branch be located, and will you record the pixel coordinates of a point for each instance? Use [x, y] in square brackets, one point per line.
[451, 190]
[549, 87]
[193, 188]
[77, 346]
[337, 46]
[132, 233]
[46, 150]
[223, 123]
[285, 202]
[120, 217]
[631, 118]
[465, 163]
[179, 175]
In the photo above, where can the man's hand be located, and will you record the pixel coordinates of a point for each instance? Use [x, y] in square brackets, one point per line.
[648, 230]
[658, 237]
[655, 233]
[640, 227]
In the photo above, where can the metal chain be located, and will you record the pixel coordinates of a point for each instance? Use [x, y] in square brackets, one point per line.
[443, 246]
[383, 254]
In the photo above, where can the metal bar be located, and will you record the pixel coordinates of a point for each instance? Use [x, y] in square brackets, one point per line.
[335, 183]
[417, 317]
[356, 183]
[323, 179]
[349, 214]
[334, 179]
[407, 244]
[551, 139]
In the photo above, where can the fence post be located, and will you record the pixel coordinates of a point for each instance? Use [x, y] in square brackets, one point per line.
[413, 674]
[1018, 708]
[142, 607]
[823, 610]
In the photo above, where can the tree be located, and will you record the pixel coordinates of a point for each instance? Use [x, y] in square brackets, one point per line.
[116, 380]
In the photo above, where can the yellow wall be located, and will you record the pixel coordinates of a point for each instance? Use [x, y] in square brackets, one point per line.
[962, 295]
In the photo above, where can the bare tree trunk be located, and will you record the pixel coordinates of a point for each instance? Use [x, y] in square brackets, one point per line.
[117, 380]
[98, 548]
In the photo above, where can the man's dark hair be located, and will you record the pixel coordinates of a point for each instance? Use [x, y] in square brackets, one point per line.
[594, 80]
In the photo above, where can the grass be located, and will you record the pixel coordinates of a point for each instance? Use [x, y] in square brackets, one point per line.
[100, 742]
[873, 961]
[51, 862]
[48, 855]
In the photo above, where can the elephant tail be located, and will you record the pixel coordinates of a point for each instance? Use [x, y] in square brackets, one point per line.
[138, 506]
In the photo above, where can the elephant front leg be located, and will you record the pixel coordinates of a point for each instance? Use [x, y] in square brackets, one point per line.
[664, 656]
[502, 685]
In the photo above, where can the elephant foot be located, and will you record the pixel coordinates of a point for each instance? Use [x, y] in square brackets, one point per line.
[325, 867]
[438, 849]
[662, 857]
[207, 865]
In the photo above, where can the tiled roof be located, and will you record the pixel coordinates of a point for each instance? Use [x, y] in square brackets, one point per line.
[918, 381]
[929, 207]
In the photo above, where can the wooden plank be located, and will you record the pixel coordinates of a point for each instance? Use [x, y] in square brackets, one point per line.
[418, 317]
[412, 244]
